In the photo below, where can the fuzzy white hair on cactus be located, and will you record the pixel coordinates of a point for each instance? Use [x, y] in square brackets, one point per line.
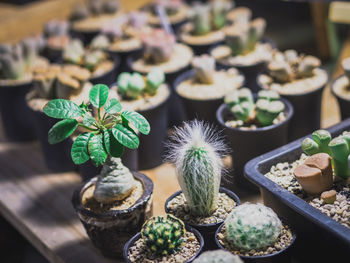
[196, 150]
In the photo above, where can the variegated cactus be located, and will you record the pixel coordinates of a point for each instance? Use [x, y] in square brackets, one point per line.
[196, 150]
[204, 68]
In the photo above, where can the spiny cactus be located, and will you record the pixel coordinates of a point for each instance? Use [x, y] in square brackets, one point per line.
[158, 46]
[338, 148]
[204, 68]
[288, 66]
[218, 256]
[132, 86]
[243, 37]
[163, 235]
[196, 151]
[346, 67]
[252, 226]
[264, 111]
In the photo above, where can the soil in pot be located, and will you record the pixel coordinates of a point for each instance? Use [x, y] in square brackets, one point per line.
[340, 89]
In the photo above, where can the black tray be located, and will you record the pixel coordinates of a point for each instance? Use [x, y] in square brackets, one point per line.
[321, 239]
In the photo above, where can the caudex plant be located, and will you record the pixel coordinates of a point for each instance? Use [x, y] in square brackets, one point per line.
[218, 256]
[242, 37]
[204, 68]
[289, 65]
[132, 86]
[196, 151]
[266, 109]
[209, 17]
[163, 235]
[252, 226]
[101, 139]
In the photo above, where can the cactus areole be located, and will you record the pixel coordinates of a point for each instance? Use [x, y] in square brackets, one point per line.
[101, 139]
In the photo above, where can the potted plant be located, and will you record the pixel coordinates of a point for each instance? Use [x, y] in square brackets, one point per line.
[244, 49]
[56, 82]
[97, 61]
[217, 256]
[310, 191]
[161, 50]
[175, 10]
[240, 14]
[17, 63]
[203, 88]
[256, 234]
[299, 79]
[113, 205]
[164, 239]
[253, 128]
[340, 89]
[205, 28]
[196, 151]
[88, 19]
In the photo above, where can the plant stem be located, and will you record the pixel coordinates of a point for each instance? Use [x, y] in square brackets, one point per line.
[86, 127]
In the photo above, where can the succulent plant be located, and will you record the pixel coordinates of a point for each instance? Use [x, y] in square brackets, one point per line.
[100, 42]
[204, 68]
[79, 12]
[163, 236]
[93, 58]
[288, 66]
[338, 148]
[218, 256]
[110, 6]
[154, 79]
[196, 151]
[252, 226]
[243, 37]
[241, 15]
[56, 28]
[94, 7]
[346, 67]
[218, 10]
[74, 52]
[266, 109]
[158, 46]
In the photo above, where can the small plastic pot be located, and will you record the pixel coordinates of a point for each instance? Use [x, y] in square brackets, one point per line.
[108, 77]
[344, 104]
[247, 144]
[54, 55]
[131, 242]
[15, 113]
[129, 158]
[122, 57]
[206, 230]
[85, 36]
[307, 112]
[111, 230]
[57, 156]
[282, 256]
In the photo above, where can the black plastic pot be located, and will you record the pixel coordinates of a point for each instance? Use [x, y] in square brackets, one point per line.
[131, 242]
[122, 57]
[206, 230]
[282, 256]
[15, 113]
[108, 77]
[247, 144]
[111, 230]
[307, 112]
[53, 55]
[57, 156]
[344, 104]
[176, 111]
[129, 158]
[320, 238]
[85, 36]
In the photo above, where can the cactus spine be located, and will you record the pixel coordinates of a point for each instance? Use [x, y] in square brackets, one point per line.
[218, 256]
[252, 226]
[195, 150]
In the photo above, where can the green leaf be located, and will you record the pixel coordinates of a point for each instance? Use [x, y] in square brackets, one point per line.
[113, 106]
[98, 95]
[89, 120]
[97, 152]
[126, 136]
[79, 151]
[113, 147]
[62, 109]
[62, 130]
[137, 120]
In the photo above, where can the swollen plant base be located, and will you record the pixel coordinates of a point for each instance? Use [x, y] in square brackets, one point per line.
[212, 37]
[284, 240]
[341, 87]
[139, 253]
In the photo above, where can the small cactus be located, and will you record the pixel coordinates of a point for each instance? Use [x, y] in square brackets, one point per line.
[74, 52]
[218, 256]
[110, 6]
[95, 6]
[346, 67]
[100, 42]
[196, 151]
[252, 226]
[163, 235]
[158, 46]
[204, 68]
[201, 19]
[218, 10]
[56, 28]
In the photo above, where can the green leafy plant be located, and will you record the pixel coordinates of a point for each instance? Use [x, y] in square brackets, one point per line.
[103, 136]
[163, 236]
[218, 256]
[266, 109]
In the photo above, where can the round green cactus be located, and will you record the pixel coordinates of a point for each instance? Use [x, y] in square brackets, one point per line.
[218, 256]
[163, 236]
[252, 226]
